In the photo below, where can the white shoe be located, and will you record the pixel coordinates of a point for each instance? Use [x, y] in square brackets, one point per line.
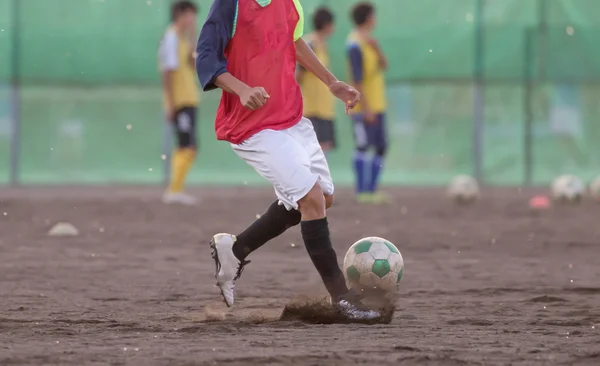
[228, 267]
[351, 307]
[180, 198]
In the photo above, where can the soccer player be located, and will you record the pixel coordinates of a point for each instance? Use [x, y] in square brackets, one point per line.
[180, 95]
[249, 49]
[319, 103]
[368, 63]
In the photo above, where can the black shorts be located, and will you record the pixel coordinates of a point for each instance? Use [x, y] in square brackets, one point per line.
[184, 125]
[324, 129]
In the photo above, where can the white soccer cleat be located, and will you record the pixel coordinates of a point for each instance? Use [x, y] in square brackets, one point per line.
[351, 307]
[228, 267]
[179, 198]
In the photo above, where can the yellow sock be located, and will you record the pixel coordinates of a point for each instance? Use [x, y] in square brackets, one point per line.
[181, 162]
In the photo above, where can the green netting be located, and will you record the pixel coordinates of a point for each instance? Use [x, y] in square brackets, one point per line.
[88, 71]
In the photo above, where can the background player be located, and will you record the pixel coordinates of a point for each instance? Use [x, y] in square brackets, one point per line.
[368, 63]
[319, 104]
[249, 49]
[180, 95]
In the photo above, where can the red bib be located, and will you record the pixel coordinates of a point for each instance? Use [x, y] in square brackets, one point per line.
[262, 53]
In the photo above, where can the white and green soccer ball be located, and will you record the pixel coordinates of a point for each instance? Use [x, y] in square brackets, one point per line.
[373, 264]
[595, 189]
[463, 189]
[567, 189]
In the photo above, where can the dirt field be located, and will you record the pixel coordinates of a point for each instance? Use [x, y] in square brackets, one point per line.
[490, 284]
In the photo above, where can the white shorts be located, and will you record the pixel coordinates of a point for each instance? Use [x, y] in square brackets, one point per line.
[291, 160]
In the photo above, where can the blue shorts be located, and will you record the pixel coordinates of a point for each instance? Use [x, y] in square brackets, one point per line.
[370, 135]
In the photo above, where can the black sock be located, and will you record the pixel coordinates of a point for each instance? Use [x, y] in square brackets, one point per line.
[270, 225]
[318, 244]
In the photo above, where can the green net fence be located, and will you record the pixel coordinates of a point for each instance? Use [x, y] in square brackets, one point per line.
[90, 101]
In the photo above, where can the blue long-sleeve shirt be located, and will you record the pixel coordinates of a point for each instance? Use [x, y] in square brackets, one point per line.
[356, 61]
[215, 35]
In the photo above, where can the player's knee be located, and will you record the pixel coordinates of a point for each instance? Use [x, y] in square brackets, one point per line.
[381, 151]
[362, 149]
[328, 200]
[313, 203]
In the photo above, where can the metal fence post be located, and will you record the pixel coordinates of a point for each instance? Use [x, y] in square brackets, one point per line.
[528, 106]
[167, 145]
[478, 93]
[15, 124]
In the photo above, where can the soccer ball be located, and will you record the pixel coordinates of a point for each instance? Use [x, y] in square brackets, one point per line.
[595, 189]
[373, 265]
[567, 189]
[463, 189]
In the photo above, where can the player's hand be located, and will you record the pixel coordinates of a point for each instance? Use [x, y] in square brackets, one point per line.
[373, 43]
[345, 93]
[383, 63]
[254, 98]
[369, 116]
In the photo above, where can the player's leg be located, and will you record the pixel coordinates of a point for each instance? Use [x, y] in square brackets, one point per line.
[274, 222]
[315, 227]
[282, 159]
[183, 156]
[378, 139]
[312, 206]
[230, 251]
[274, 155]
[359, 161]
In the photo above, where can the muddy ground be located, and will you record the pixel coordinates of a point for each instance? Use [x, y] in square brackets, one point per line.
[490, 284]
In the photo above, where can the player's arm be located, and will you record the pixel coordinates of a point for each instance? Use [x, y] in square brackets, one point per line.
[211, 63]
[383, 62]
[307, 58]
[300, 70]
[309, 61]
[169, 62]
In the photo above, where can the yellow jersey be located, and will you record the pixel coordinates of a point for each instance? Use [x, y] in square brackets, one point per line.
[318, 100]
[175, 54]
[366, 70]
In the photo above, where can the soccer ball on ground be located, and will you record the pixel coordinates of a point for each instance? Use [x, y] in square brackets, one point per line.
[567, 189]
[595, 189]
[463, 189]
[373, 264]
